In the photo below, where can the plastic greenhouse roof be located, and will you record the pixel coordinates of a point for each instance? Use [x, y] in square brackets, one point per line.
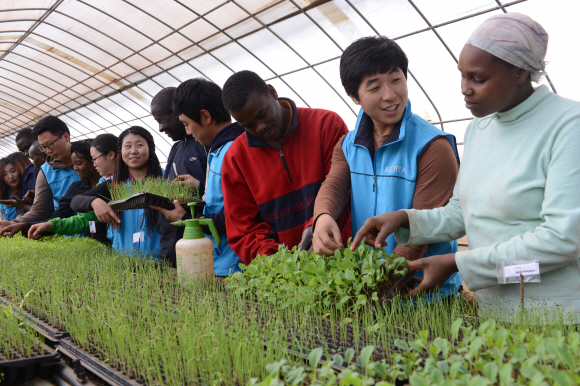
[98, 63]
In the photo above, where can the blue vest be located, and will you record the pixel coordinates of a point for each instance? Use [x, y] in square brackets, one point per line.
[388, 183]
[225, 260]
[132, 238]
[9, 213]
[59, 180]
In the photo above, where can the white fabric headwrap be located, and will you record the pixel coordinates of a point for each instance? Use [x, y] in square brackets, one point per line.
[515, 38]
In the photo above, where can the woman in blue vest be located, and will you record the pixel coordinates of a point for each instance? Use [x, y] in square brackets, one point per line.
[132, 231]
[392, 160]
[11, 185]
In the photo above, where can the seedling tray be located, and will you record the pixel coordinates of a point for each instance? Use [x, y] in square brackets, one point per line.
[398, 287]
[143, 200]
[50, 332]
[20, 370]
[91, 363]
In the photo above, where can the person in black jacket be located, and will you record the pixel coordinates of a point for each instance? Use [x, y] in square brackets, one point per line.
[187, 161]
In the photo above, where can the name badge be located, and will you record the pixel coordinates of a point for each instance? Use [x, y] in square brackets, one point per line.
[138, 237]
[522, 269]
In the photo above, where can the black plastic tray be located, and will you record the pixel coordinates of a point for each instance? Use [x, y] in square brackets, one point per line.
[89, 362]
[48, 331]
[143, 200]
[17, 371]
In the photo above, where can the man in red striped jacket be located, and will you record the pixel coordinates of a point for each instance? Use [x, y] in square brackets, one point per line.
[272, 173]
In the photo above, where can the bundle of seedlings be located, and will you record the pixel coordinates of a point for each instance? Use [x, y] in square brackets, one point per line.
[156, 191]
[347, 280]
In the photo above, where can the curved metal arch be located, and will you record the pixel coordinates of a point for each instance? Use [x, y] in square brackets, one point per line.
[234, 40]
[310, 66]
[434, 30]
[36, 24]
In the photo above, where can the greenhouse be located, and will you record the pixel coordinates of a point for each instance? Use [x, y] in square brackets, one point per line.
[289, 192]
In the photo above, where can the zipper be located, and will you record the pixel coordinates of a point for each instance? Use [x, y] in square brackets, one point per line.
[374, 182]
[285, 166]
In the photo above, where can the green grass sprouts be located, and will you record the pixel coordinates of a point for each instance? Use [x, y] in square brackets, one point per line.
[158, 186]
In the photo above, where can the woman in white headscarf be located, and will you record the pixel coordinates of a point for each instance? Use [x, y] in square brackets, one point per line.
[517, 196]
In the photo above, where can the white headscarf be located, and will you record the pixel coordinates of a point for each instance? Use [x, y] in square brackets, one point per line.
[515, 38]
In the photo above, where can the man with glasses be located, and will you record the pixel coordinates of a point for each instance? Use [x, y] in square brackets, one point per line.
[55, 177]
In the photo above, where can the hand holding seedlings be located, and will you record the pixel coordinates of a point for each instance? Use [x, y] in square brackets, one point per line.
[29, 196]
[36, 230]
[376, 229]
[103, 211]
[13, 229]
[173, 214]
[186, 179]
[326, 228]
[436, 270]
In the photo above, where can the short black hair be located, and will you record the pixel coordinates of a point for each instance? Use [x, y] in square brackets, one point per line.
[105, 143]
[25, 133]
[163, 99]
[368, 56]
[82, 148]
[52, 124]
[198, 94]
[239, 86]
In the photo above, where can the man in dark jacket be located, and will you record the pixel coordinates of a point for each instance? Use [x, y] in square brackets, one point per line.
[187, 161]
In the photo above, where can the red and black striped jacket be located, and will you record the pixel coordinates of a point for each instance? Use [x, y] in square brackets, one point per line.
[269, 194]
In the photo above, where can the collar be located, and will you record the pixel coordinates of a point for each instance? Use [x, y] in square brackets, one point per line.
[254, 141]
[365, 126]
[57, 164]
[524, 109]
[225, 135]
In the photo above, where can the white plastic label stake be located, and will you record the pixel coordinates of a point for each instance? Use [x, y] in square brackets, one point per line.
[138, 237]
[92, 227]
[523, 269]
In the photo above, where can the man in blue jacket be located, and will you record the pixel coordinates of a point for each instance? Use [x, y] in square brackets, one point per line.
[198, 104]
[392, 160]
[187, 161]
[56, 174]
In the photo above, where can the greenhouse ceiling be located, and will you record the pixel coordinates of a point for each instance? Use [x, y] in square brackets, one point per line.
[98, 63]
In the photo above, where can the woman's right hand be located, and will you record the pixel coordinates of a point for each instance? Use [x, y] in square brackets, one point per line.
[36, 230]
[326, 228]
[103, 211]
[376, 229]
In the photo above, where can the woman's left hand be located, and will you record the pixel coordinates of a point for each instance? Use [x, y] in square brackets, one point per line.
[436, 270]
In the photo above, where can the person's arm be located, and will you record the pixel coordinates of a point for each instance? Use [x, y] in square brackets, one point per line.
[330, 202]
[436, 175]
[335, 190]
[77, 224]
[248, 236]
[42, 202]
[82, 202]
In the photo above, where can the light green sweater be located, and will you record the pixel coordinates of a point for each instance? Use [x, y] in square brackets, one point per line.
[517, 197]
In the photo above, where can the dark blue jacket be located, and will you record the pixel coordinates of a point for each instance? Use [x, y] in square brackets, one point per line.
[27, 182]
[189, 158]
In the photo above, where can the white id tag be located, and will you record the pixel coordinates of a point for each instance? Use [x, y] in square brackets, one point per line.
[510, 272]
[522, 269]
[138, 237]
[92, 227]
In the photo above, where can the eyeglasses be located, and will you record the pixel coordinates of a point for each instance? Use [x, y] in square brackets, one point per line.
[50, 145]
[96, 158]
